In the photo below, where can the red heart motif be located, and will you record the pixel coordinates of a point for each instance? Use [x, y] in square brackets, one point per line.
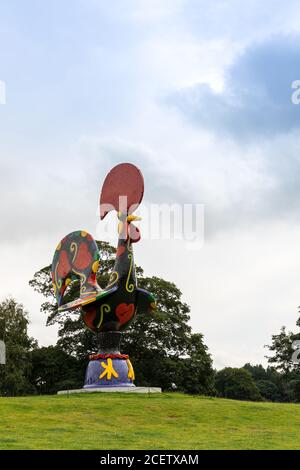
[124, 312]
[64, 266]
[89, 318]
[83, 258]
[121, 249]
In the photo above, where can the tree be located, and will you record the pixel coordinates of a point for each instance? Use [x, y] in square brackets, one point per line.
[237, 384]
[13, 331]
[257, 371]
[292, 388]
[283, 350]
[161, 345]
[53, 370]
[268, 381]
[282, 347]
[197, 376]
[268, 390]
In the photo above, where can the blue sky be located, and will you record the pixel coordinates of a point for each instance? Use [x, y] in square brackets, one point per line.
[198, 95]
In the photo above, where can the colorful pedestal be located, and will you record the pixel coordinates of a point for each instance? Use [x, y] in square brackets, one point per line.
[109, 371]
[109, 368]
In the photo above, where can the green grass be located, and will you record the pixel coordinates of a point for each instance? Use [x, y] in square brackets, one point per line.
[126, 421]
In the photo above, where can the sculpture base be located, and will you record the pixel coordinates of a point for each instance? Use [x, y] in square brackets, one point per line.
[112, 389]
[109, 368]
[109, 371]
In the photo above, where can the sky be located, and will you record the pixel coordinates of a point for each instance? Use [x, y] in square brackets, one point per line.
[197, 94]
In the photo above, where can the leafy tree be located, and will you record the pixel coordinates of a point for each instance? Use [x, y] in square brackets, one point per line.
[161, 345]
[292, 388]
[269, 382]
[237, 384]
[283, 361]
[269, 390]
[257, 371]
[53, 370]
[13, 331]
[282, 347]
[197, 376]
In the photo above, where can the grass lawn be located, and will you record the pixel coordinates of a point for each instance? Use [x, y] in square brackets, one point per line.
[166, 421]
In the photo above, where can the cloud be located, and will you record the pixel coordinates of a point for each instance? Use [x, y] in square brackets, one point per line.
[256, 100]
[102, 153]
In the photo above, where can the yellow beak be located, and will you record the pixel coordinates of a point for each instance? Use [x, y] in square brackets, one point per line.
[131, 218]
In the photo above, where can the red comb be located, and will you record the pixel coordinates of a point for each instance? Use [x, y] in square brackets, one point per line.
[122, 190]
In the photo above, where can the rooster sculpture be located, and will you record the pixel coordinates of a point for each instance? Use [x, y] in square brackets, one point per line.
[106, 312]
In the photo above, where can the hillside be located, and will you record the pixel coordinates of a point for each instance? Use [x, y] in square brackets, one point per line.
[167, 421]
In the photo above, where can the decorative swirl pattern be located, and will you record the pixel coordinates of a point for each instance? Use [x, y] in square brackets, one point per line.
[83, 280]
[58, 283]
[74, 249]
[113, 278]
[129, 287]
[105, 308]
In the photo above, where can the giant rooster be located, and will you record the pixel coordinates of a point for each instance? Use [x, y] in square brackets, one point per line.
[107, 311]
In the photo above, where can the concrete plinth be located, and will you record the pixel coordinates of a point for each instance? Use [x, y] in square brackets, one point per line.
[112, 389]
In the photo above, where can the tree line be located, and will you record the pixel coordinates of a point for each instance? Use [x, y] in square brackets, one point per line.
[164, 350]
